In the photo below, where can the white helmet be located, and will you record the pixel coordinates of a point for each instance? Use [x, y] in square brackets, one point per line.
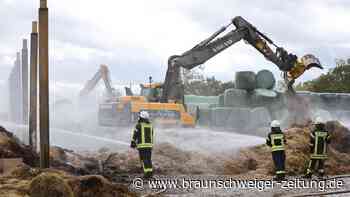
[144, 115]
[318, 120]
[275, 123]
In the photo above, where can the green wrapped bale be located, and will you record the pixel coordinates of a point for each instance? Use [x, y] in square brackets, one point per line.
[201, 99]
[219, 116]
[238, 119]
[281, 115]
[198, 105]
[343, 115]
[204, 117]
[260, 117]
[262, 97]
[265, 79]
[278, 104]
[221, 100]
[235, 98]
[344, 100]
[324, 114]
[245, 80]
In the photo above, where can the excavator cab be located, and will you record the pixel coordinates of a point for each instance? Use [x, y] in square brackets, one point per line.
[151, 92]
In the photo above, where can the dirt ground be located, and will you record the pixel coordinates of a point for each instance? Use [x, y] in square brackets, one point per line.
[90, 172]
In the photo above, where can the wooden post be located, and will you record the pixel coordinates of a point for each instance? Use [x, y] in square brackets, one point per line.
[25, 81]
[44, 120]
[33, 86]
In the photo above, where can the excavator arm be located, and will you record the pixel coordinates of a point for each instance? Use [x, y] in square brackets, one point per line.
[205, 50]
[102, 73]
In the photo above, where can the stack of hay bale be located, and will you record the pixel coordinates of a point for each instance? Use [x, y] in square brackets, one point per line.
[330, 106]
[257, 99]
[201, 106]
[246, 107]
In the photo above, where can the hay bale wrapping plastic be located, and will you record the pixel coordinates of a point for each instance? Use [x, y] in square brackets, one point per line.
[235, 98]
[245, 80]
[221, 100]
[265, 79]
[190, 99]
[238, 119]
[204, 118]
[219, 116]
[262, 97]
[260, 117]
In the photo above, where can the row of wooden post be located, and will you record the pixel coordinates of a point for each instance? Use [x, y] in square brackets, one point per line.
[39, 43]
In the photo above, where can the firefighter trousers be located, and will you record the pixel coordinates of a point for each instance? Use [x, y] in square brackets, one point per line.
[279, 158]
[316, 165]
[146, 161]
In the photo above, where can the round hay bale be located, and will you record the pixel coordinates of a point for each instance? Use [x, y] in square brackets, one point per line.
[278, 103]
[245, 80]
[343, 115]
[260, 117]
[344, 100]
[235, 98]
[221, 100]
[324, 114]
[282, 115]
[265, 93]
[204, 117]
[49, 184]
[330, 100]
[194, 99]
[315, 100]
[262, 97]
[265, 79]
[219, 116]
[238, 119]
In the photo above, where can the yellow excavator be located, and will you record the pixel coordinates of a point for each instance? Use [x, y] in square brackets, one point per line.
[165, 101]
[124, 110]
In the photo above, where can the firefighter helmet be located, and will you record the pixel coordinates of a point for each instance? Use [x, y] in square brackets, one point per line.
[144, 115]
[318, 120]
[275, 123]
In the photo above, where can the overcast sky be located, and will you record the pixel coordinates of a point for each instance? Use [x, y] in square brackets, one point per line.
[135, 37]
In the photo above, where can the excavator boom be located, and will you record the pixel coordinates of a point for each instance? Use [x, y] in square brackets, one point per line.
[205, 50]
[102, 73]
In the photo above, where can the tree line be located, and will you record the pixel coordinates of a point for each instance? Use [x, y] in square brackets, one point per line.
[336, 80]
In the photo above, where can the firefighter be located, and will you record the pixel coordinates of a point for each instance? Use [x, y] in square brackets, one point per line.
[319, 138]
[276, 141]
[142, 140]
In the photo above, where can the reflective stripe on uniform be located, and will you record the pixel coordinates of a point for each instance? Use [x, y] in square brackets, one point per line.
[146, 136]
[132, 135]
[320, 142]
[145, 145]
[277, 142]
[147, 170]
[280, 172]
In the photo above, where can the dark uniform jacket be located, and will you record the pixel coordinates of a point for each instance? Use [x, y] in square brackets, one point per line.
[276, 139]
[319, 138]
[143, 135]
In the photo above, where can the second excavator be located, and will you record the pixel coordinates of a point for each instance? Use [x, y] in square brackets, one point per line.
[102, 73]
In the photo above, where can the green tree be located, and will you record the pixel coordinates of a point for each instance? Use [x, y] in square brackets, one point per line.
[336, 80]
[209, 86]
